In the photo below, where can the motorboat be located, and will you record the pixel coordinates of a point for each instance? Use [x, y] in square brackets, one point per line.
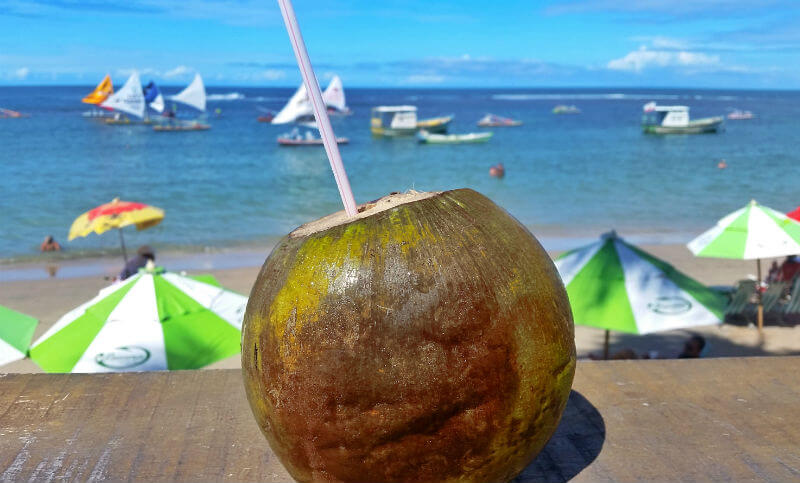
[426, 137]
[492, 120]
[739, 115]
[402, 121]
[675, 120]
[294, 138]
[564, 109]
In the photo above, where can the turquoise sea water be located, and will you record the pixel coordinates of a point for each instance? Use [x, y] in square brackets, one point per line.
[569, 177]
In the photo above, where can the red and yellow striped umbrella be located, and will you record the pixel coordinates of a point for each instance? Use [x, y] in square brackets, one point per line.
[116, 214]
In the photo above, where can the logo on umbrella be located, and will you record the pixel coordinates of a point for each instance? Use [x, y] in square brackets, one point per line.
[123, 357]
[670, 305]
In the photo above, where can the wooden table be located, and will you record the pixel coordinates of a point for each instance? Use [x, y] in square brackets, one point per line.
[678, 420]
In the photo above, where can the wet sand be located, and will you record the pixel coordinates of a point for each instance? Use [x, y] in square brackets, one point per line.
[49, 299]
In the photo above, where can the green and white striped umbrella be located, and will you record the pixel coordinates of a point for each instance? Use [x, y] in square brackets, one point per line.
[154, 320]
[16, 332]
[752, 232]
[616, 286]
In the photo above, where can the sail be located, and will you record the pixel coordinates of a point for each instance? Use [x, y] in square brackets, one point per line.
[194, 95]
[129, 99]
[153, 97]
[334, 95]
[298, 106]
[100, 93]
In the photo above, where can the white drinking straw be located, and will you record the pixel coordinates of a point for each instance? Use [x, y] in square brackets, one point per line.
[320, 111]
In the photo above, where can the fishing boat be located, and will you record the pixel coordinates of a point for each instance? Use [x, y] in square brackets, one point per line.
[266, 116]
[127, 101]
[100, 93]
[564, 109]
[475, 137]
[492, 120]
[402, 121]
[299, 108]
[194, 95]
[177, 125]
[675, 120]
[294, 138]
[738, 115]
[9, 114]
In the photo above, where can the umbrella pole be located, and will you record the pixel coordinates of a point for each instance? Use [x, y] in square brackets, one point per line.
[605, 346]
[758, 292]
[122, 241]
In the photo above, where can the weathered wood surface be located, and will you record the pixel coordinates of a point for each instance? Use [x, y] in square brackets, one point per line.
[682, 420]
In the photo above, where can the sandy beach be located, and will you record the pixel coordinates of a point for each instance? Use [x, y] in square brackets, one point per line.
[48, 299]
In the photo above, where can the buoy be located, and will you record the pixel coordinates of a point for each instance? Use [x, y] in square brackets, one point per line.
[722, 164]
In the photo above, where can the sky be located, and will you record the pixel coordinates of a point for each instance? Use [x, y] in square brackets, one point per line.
[408, 43]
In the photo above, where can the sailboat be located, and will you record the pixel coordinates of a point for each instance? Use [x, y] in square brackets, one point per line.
[193, 95]
[334, 98]
[299, 108]
[100, 93]
[153, 97]
[128, 100]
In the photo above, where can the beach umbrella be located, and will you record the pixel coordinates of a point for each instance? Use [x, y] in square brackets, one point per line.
[795, 215]
[616, 286]
[155, 320]
[116, 214]
[750, 233]
[16, 332]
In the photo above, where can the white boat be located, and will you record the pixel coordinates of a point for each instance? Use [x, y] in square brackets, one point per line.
[563, 109]
[492, 120]
[738, 115]
[294, 138]
[675, 120]
[299, 108]
[474, 137]
[402, 121]
[128, 100]
[334, 98]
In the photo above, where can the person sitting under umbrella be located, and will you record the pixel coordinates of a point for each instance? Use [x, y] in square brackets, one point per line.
[144, 254]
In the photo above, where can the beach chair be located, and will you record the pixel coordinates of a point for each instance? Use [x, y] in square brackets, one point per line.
[772, 300]
[737, 309]
[791, 311]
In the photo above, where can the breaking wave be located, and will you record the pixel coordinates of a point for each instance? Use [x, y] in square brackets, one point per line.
[230, 96]
[601, 96]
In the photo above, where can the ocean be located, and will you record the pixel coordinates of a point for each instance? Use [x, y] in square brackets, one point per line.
[569, 178]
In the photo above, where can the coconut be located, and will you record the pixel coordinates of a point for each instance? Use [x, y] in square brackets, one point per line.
[428, 339]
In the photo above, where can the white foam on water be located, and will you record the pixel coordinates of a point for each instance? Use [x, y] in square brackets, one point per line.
[230, 96]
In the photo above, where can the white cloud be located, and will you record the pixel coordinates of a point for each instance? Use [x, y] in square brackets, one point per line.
[642, 59]
[271, 74]
[424, 79]
[179, 71]
[22, 72]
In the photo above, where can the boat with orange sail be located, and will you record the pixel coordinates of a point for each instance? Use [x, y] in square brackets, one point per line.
[100, 93]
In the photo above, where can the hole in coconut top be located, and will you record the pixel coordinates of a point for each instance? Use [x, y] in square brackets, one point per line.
[364, 210]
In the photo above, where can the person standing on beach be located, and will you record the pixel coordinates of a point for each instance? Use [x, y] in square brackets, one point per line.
[143, 255]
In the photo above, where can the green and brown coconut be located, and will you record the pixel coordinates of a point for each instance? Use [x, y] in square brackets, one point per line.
[428, 339]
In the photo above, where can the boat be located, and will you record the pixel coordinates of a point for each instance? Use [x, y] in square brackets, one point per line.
[194, 95]
[299, 108]
[474, 137]
[294, 138]
[128, 100]
[402, 121]
[267, 115]
[177, 125]
[675, 120]
[153, 97]
[9, 114]
[100, 93]
[564, 109]
[739, 115]
[333, 96]
[492, 120]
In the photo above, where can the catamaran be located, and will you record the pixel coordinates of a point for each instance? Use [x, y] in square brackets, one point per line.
[299, 108]
[128, 100]
[675, 120]
[402, 121]
[193, 95]
[100, 93]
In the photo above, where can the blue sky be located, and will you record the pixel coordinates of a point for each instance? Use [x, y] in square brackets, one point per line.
[431, 43]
